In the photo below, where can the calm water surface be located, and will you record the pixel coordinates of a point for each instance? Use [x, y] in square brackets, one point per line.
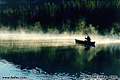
[57, 59]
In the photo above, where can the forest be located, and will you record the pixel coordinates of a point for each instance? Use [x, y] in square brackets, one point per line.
[72, 16]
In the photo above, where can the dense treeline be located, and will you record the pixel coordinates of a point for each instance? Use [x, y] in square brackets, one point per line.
[67, 15]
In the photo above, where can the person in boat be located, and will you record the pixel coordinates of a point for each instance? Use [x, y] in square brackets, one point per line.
[88, 39]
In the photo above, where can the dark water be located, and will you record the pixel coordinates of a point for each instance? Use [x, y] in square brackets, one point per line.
[2, 2]
[38, 60]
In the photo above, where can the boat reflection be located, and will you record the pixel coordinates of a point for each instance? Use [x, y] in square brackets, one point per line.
[86, 47]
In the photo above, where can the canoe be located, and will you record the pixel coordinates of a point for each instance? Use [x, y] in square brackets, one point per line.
[85, 42]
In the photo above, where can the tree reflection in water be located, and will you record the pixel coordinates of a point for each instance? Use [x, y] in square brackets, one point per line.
[69, 59]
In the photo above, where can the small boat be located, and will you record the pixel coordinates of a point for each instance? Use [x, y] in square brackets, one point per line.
[85, 42]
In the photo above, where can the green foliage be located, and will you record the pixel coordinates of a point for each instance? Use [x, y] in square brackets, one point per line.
[65, 15]
[77, 4]
[83, 3]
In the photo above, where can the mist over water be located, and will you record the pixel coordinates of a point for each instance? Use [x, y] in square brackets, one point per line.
[57, 37]
[37, 40]
[56, 56]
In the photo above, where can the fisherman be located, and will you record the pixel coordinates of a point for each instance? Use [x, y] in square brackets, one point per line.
[88, 39]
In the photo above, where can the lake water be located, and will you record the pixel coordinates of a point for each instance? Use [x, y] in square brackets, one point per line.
[2, 2]
[58, 59]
